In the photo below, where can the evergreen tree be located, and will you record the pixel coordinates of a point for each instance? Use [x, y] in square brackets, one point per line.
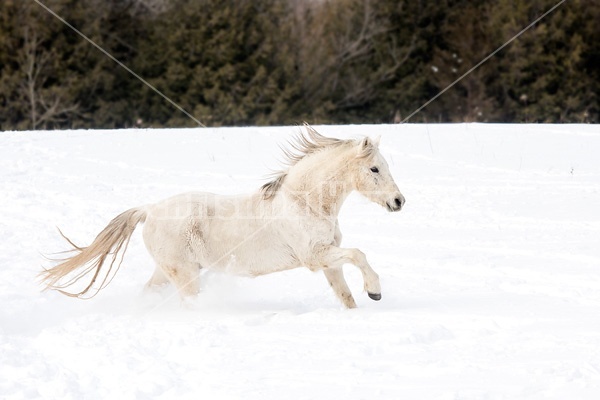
[545, 77]
[217, 59]
[105, 92]
[415, 29]
[245, 62]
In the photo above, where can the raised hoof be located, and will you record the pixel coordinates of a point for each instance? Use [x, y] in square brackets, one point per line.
[375, 296]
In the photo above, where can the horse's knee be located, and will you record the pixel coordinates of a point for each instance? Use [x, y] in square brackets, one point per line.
[358, 257]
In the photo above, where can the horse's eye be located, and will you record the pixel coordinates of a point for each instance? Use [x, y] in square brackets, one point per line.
[375, 170]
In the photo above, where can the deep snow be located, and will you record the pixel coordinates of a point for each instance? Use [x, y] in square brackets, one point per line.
[490, 275]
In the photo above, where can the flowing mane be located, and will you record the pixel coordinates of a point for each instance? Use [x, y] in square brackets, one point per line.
[303, 144]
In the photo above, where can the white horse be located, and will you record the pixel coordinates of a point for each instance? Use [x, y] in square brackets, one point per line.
[290, 222]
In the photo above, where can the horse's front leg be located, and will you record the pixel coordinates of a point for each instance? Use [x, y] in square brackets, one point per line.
[335, 257]
[335, 277]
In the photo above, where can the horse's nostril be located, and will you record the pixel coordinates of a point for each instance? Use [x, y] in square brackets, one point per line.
[398, 202]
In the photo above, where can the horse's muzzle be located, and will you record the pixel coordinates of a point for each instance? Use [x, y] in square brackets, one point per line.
[396, 204]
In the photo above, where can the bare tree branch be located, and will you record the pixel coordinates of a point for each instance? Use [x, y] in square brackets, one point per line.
[45, 105]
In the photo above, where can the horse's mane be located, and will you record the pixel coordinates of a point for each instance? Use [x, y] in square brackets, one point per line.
[302, 145]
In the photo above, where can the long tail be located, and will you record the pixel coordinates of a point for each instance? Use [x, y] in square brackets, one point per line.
[109, 243]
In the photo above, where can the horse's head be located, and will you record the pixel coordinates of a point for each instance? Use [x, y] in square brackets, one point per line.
[372, 176]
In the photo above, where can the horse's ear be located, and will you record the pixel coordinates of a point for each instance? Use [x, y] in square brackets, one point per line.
[377, 140]
[366, 147]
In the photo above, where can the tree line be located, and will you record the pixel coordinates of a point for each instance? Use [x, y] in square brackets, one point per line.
[269, 62]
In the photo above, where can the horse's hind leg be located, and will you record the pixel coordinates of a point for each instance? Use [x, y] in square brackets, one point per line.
[157, 279]
[185, 277]
[335, 277]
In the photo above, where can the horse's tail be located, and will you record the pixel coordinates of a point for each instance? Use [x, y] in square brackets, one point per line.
[109, 243]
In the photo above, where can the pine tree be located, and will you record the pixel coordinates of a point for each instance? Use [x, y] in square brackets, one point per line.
[216, 59]
[243, 62]
[544, 74]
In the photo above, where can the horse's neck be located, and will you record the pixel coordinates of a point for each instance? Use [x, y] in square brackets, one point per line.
[320, 185]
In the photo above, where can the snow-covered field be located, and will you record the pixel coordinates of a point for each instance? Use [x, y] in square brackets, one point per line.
[490, 274]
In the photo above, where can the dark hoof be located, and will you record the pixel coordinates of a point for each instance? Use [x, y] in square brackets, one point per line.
[375, 296]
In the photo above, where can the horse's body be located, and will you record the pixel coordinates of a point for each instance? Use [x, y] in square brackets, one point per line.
[291, 222]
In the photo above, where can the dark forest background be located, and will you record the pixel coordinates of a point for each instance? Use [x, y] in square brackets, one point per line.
[268, 62]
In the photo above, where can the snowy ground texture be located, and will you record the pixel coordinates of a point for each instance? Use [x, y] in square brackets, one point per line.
[490, 275]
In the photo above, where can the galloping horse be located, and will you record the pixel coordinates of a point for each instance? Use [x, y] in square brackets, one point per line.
[289, 222]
